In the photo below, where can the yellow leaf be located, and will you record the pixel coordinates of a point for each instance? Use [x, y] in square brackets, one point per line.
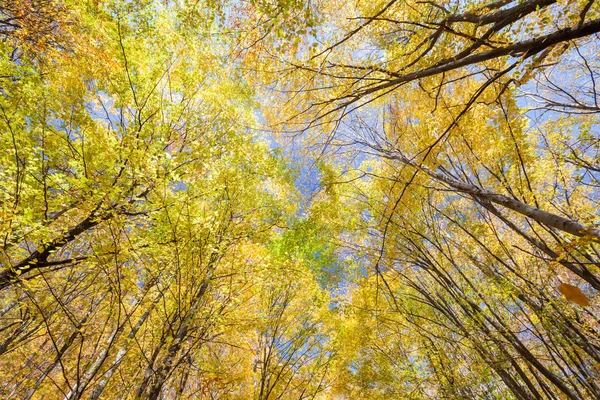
[574, 294]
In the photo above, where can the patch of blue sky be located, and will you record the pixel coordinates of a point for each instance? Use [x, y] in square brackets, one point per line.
[178, 186]
[104, 110]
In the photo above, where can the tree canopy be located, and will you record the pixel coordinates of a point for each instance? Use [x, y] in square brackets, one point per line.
[299, 199]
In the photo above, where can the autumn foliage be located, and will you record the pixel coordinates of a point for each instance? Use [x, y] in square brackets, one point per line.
[299, 199]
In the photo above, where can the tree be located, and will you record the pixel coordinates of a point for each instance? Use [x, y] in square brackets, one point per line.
[135, 204]
[474, 180]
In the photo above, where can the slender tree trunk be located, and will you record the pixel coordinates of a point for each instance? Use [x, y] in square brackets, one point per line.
[119, 356]
[66, 345]
[541, 216]
[152, 388]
